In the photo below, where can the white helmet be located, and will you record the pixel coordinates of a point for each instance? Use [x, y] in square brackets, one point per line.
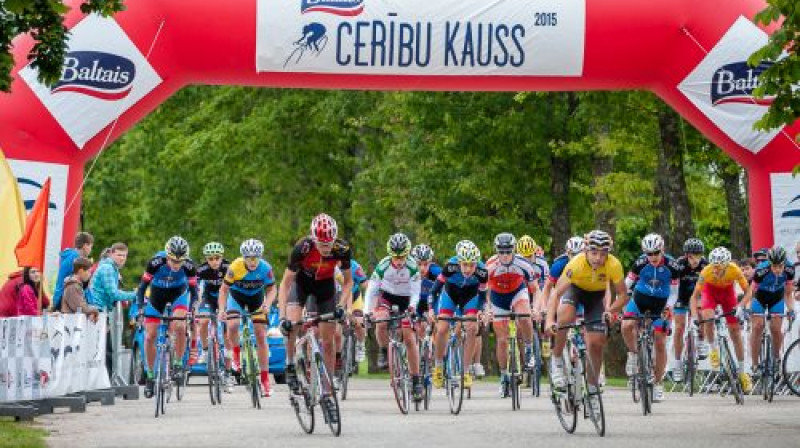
[574, 245]
[719, 256]
[652, 243]
[252, 248]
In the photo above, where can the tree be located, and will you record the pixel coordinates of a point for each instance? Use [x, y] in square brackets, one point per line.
[781, 79]
[44, 20]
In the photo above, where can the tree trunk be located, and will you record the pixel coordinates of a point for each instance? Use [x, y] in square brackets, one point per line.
[737, 211]
[560, 226]
[677, 195]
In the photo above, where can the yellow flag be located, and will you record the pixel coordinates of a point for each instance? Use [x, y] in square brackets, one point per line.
[12, 224]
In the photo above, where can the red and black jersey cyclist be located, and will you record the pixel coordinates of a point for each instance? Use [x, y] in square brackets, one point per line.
[169, 278]
[309, 283]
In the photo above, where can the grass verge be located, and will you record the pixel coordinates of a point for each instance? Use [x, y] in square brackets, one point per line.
[20, 434]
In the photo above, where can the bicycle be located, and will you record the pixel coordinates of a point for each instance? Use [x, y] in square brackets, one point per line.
[535, 373]
[513, 364]
[643, 380]
[315, 381]
[728, 365]
[215, 358]
[163, 362]
[690, 358]
[454, 361]
[426, 363]
[348, 356]
[578, 367]
[766, 368]
[398, 360]
[251, 371]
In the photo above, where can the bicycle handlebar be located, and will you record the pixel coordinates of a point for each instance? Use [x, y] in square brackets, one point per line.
[717, 317]
[458, 318]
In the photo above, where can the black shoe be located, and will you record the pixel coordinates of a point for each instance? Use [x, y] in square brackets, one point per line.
[291, 379]
[417, 387]
[383, 361]
[149, 388]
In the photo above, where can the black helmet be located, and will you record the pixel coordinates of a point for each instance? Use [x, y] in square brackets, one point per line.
[776, 255]
[694, 246]
[504, 243]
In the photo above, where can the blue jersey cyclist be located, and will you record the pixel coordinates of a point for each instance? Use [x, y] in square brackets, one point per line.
[461, 288]
[172, 278]
[573, 247]
[429, 271]
[654, 281]
[360, 284]
[772, 287]
[248, 280]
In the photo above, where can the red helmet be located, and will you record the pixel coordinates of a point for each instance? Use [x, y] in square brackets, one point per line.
[323, 228]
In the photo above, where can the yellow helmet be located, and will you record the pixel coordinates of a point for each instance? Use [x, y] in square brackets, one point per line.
[526, 246]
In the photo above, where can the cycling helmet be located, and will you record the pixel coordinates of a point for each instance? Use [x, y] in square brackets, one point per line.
[598, 240]
[719, 256]
[776, 255]
[694, 246]
[213, 248]
[323, 228]
[574, 245]
[760, 254]
[422, 252]
[177, 248]
[652, 243]
[467, 251]
[398, 245]
[252, 248]
[526, 246]
[504, 243]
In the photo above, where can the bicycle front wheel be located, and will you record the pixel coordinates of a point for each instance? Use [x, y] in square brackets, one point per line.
[768, 371]
[593, 401]
[328, 402]
[729, 367]
[691, 364]
[348, 353]
[454, 379]
[564, 400]
[398, 371]
[303, 404]
[643, 380]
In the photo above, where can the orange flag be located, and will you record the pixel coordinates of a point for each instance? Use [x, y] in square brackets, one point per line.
[30, 249]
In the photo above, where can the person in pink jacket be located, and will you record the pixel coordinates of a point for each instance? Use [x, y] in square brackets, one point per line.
[28, 294]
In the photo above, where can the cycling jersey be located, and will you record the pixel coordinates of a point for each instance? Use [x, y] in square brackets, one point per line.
[167, 286]
[247, 282]
[212, 278]
[557, 267]
[359, 276]
[510, 278]
[459, 290]
[732, 274]
[765, 280]
[688, 279]
[581, 274]
[310, 264]
[428, 282]
[398, 282]
[654, 280]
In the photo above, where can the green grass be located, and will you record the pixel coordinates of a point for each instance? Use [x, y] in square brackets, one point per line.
[20, 435]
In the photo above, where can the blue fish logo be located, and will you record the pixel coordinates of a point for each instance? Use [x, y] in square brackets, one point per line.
[101, 75]
[792, 213]
[347, 8]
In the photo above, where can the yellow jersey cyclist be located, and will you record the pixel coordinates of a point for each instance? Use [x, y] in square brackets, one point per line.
[247, 281]
[715, 287]
[584, 282]
[396, 282]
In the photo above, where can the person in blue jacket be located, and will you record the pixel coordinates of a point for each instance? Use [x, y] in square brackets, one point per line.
[83, 248]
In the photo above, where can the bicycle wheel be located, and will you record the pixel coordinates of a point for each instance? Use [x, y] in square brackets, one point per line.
[399, 377]
[137, 370]
[564, 401]
[768, 372]
[159, 368]
[303, 404]
[691, 364]
[347, 362]
[791, 368]
[729, 367]
[633, 381]
[253, 382]
[211, 372]
[596, 413]
[454, 381]
[536, 371]
[513, 374]
[328, 402]
[644, 372]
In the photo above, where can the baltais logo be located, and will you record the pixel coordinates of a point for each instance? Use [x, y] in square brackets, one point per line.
[734, 83]
[337, 7]
[794, 213]
[101, 75]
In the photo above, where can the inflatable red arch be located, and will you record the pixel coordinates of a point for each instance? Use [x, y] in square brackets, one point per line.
[690, 53]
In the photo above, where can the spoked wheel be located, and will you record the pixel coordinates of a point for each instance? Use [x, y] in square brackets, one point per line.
[730, 370]
[328, 403]
[514, 384]
[691, 364]
[791, 367]
[596, 412]
[564, 402]
[633, 381]
[425, 372]
[137, 366]
[643, 380]
[454, 379]
[348, 353]
[212, 371]
[398, 372]
[253, 383]
[768, 377]
[161, 370]
[303, 404]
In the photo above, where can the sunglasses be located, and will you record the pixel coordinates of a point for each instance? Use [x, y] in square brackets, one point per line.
[653, 254]
[175, 260]
[214, 258]
[505, 252]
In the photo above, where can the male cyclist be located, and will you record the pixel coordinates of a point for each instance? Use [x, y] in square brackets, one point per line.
[530, 251]
[654, 282]
[360, 283]
[512, 281]
[210, 274]
[584, 282]
[429, 271]
[773, 286]
[573, 247]
[461, 291]
[715, 284]
[396, 283]
[247, 280]
[690, 265]
[168, 276]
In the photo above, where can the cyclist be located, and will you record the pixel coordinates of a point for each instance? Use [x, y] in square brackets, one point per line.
[429, 271]
[169, 276]
[461, 291]
[715, 283]
[308, 282]
[584, 282]
[396, 282]
[773, 289]
[248, 279]
[210, 275]
[512, 281]
[530, 251]
[360, 283]
[690, 265]
[573, 247]
[653, 280]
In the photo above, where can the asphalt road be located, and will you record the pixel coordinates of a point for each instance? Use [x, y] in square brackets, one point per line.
[371, 419]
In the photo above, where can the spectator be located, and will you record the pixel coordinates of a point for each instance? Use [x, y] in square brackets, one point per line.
[104, 287]
[29, 294]
[83, 248]
[74, 297]
[748, 266]
[103, 255]
[9, 293]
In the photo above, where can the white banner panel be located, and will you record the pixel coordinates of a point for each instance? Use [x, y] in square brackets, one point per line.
[420, 37]
[785, 210]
